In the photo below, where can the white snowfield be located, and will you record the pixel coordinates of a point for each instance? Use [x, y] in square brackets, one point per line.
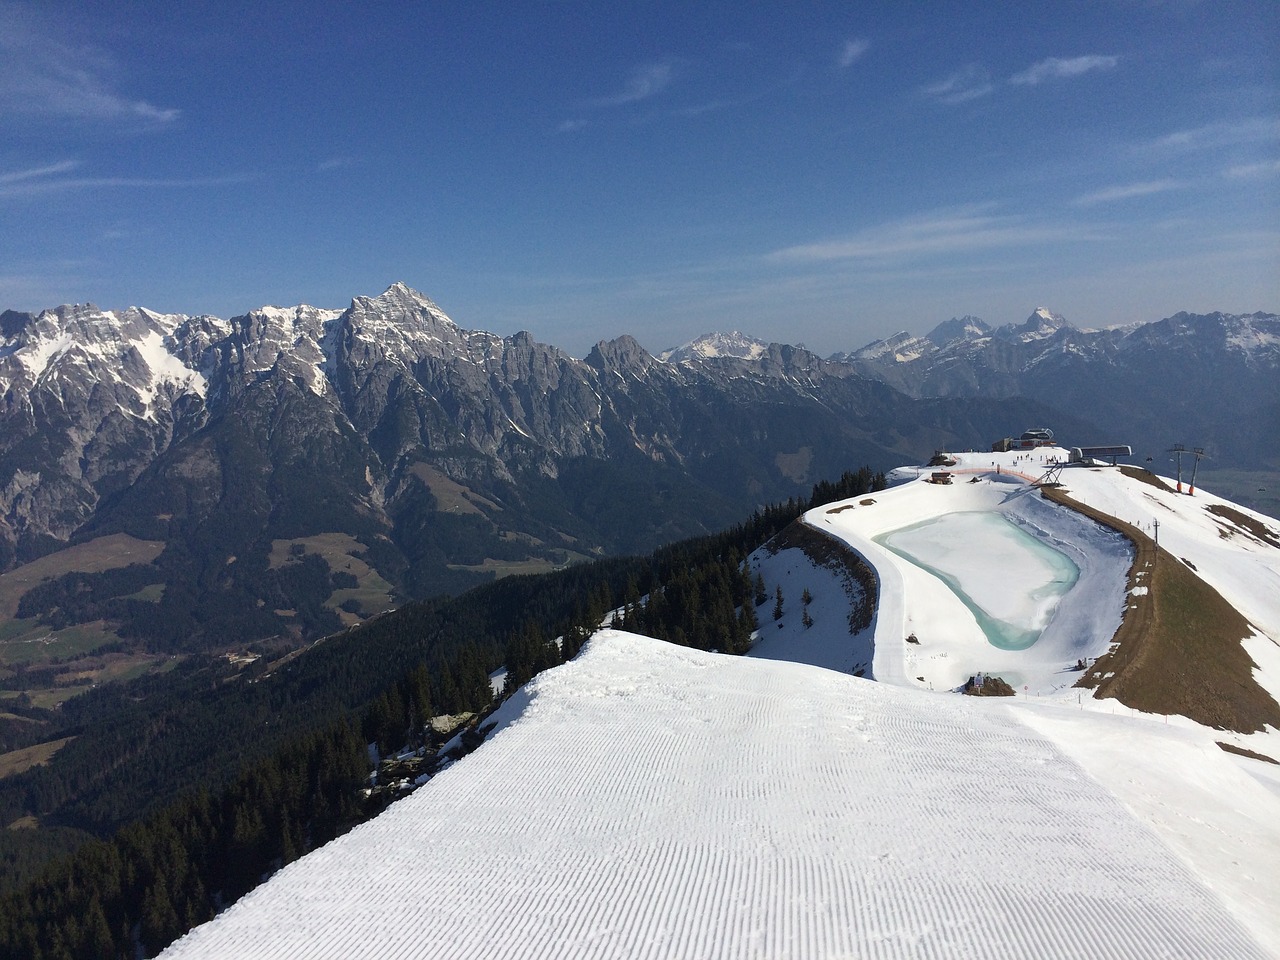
[992, 568]
[994, 565]
[647, 800]
[651, 801]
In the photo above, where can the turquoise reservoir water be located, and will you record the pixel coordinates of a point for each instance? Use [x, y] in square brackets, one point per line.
[1010, 581]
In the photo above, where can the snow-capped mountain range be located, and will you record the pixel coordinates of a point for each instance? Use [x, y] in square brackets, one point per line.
[1199, 376]
[444, 450]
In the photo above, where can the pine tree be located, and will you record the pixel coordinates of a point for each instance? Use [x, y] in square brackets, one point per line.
[160, 924]
[97, 940]
[418, 685]
[777, 603]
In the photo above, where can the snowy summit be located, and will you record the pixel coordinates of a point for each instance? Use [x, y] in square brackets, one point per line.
[712, 345]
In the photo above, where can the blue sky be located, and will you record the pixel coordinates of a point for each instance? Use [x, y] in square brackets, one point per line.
[807, 172]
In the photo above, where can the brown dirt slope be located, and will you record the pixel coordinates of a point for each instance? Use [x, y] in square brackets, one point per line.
[1146, 476]
[1248, 525]
[1178, 648]
[1241, 751]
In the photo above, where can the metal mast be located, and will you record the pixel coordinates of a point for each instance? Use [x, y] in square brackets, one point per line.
[1199, 454]
[1178, 449]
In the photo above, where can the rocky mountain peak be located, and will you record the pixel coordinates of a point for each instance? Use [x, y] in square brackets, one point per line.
[400, 299]
[734, 344]
[902, 347]
[958, 328]
[78, 346]
[1041, 324]
[621, 355]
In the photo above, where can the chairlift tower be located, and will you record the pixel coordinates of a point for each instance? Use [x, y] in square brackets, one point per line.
[1199, 454]
[1178, 449]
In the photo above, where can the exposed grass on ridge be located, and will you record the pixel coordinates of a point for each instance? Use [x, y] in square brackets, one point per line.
[16, 761]
[1178, 649]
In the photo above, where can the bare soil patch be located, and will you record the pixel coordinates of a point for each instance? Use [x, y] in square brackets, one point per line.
[1250, 526]
[1146, 476]
[1241, 751]
[342, 552]
[1178, 649]
[509, 568]
[451, 496]
[795, 466]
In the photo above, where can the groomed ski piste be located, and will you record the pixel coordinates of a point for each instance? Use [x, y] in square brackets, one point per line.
[647, 800]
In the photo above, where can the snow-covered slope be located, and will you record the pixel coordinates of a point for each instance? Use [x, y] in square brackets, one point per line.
[646, 800]
[72, 349]
[947, 555]
[996, 573]
[712, 345]
[902, 347]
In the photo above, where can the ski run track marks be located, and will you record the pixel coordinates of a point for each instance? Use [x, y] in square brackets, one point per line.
[651, 801]
[647, 800]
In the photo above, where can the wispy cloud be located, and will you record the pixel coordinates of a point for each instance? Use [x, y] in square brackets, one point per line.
[1225, 134]
[46, 180]
[962, 230]
[1127, 191]
[1056, 68]
[1246, 171]
[645, 82]
[33, 173]
[63, 80]
[569, 126]
[968, 83]
[852, 51]
[335, 163]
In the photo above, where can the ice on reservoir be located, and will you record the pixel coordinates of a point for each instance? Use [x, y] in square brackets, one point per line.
[1011, 581]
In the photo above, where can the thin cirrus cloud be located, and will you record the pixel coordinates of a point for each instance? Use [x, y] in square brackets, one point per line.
[964, 230]
[1127, 192]
[1246, 171]
[1056, 68]
[973, 81]
[49, 179]
[852, 51]
[1223, 134]
[645, 82]
[968, 83]
[64, 81]
[35, 173]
